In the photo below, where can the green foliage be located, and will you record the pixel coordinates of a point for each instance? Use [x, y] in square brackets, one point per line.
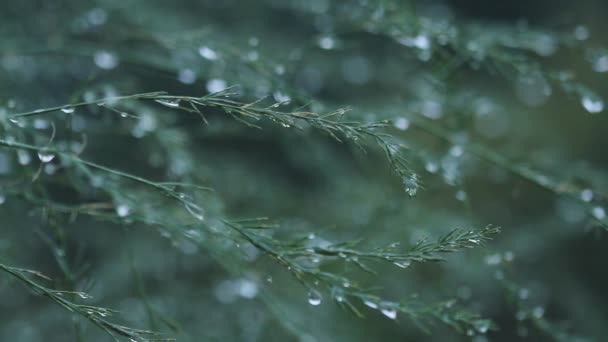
[277, 153]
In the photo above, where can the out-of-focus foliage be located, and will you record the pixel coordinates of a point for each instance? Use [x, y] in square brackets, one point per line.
[315, 170]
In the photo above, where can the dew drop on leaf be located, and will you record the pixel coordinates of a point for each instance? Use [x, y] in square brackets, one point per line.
[370, 304]
[45, 157]
[403, 264]
[169, 103]
[68, 110]
[314, 298]
[83, 295]
[411, 185]
[389, 312]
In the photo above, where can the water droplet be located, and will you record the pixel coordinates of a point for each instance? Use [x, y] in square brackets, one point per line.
[97, 16]
[196, 211]
[247, 289]
[461, 195]
[401, 123]
[208, 53]
[186, 76]
[169, 103]
[215, 85]
[599, 213]
[281, 97]
[403, 264]
[20, 123]
[68, 110]
[194, 234]
[389, 312]
[327, 43]
[339, 295]
[432, 109]
[456, 151]
[581, 32]
[411, 185]
[538, 312]
[524, 293]
[600, 64]
[23, 157]
[493, 259]
[105, 60]
[482, 326]
[122, 210]
[50, 169]
[83, 295]
[420, 41]
[533, 89]
[269, 279]
[587, 195]
[252, 56]
[370, 304]
[41, 123]
[279, 69]
[592, 104]
[314, 298]
[431, 166]
[45, 156]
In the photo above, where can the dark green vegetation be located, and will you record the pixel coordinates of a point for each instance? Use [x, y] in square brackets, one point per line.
[303, 170]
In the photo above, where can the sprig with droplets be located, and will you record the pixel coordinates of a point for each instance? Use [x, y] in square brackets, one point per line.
[454, 241]
[94, 314]
[168, 189]
[332, 123]
[303, 262]
[303, 259]
[290, 253]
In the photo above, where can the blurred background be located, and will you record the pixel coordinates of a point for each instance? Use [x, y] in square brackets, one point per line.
[479, 94]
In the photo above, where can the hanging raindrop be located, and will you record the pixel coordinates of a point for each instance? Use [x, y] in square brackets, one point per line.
[45, 156]
[314, 298]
